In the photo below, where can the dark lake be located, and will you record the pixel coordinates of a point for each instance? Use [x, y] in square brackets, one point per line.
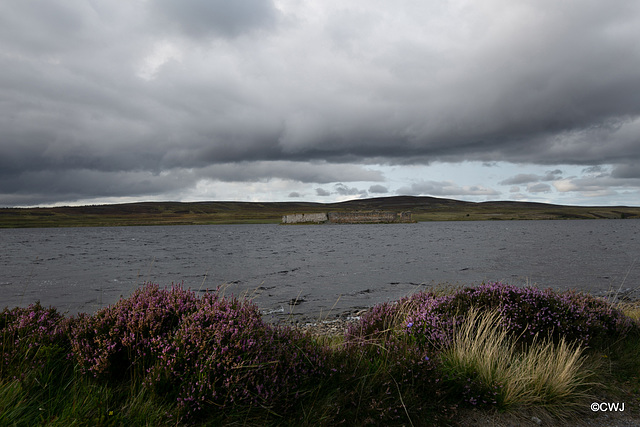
[327, 268]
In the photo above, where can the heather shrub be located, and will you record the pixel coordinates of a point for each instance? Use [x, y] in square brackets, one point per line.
[29, 337]
[127, 335]
[525, 312]
[389, 318]
[223, 355]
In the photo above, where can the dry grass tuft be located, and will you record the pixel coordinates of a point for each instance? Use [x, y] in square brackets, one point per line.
[630, 309]
[543, 373]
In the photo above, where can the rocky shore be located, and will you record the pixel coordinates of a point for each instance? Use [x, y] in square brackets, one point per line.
[332, 326]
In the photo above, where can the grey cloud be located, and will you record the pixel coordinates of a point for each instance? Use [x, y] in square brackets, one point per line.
[296, 171]
[53, 26]
[93, 86]
[528, 178]
[343, 190]
[295, 194]
[538, 188]
[521, 179]
[32, 188]
[552, 175]
[596, 170]
[203, 18]
[626, 171]
[378, 189]
[322, 192]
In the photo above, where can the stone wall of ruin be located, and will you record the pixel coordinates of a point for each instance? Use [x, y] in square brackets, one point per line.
[302, 218]
[374, 217]
[371, 217]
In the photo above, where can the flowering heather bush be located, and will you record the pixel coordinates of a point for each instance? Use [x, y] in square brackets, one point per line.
[202, 352]
[128, 334]
[525, 312]
[430, 319]
[387, 319]
[28, 337]
[224, 355]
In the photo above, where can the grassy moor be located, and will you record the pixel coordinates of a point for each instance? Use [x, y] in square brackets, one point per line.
[177, 213]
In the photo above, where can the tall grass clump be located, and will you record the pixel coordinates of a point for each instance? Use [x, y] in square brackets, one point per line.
[487, 365]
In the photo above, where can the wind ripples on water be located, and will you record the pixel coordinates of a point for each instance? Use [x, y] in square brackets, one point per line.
[344, 267]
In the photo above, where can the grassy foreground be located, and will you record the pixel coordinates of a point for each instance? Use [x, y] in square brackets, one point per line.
[171, 357]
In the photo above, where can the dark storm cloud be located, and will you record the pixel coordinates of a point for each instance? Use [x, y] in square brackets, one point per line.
[627, 171]
[77, 184]
[31, 188]
[136, 92]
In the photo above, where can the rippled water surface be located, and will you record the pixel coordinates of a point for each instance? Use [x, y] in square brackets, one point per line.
[325, 268]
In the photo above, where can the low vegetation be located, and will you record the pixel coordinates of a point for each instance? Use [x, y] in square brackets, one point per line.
[171, 357]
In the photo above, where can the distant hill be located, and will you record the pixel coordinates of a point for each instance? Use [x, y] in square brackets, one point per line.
[178, 213]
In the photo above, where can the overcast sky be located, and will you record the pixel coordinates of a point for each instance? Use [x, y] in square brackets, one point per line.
[106, 101]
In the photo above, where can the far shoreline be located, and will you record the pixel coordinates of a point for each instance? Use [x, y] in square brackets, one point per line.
[422, 208]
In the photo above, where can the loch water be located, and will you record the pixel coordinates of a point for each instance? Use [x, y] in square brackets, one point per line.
[306, 271]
